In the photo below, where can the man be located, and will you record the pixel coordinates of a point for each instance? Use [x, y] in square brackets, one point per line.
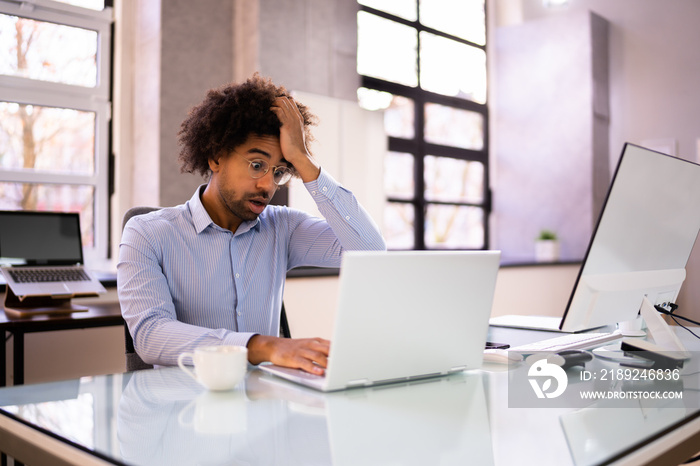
[212, 271]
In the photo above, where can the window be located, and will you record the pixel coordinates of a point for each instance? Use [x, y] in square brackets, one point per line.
[423, 62]
[55, 111]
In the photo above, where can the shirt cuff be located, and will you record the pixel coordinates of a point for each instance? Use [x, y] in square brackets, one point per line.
[323, 188]
[239, 338]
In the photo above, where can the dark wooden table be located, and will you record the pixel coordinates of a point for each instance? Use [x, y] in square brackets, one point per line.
[97, 315]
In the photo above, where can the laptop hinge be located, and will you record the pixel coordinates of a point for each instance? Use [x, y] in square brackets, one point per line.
[358, 383]
[457, 369]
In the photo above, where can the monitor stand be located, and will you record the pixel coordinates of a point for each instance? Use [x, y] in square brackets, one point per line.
[663, 335]
[39, 305]
[665, 341]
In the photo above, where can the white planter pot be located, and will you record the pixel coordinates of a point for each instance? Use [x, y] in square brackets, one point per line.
[546, 250]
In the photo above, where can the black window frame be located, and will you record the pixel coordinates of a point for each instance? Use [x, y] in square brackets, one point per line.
[418, 147]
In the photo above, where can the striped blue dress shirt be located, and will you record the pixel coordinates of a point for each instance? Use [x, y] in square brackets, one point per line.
[184, 282]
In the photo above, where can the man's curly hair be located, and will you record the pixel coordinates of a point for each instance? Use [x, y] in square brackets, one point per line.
[227, 116]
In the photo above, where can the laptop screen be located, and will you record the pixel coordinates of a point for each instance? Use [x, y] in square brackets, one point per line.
[40, 238]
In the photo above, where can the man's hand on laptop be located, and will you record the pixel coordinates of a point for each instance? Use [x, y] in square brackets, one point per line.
[308, 354]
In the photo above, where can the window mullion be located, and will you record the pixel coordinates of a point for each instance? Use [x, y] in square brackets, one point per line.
[419, 173]
[25, 176]
[29, 91]
[456, 153]
[57, 12]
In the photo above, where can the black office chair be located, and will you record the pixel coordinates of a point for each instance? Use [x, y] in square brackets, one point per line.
[133, 360]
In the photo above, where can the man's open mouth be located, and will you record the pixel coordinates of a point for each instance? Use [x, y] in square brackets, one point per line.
[257, 206]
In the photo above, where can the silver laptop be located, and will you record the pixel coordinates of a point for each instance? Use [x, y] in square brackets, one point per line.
[406, 315]
[41, 255]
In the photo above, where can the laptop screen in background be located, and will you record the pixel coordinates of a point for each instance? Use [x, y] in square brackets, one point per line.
[40, 238]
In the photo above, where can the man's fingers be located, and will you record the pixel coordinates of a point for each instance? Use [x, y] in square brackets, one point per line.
[321, 345]
[313, 365]
[310, 355]
[285, 108]
[281, 106]
[316, 351]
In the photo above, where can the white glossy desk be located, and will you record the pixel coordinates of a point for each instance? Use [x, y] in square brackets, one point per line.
[161, 416]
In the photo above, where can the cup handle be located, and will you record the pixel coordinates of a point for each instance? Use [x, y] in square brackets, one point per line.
[181, 417]
[181, 363]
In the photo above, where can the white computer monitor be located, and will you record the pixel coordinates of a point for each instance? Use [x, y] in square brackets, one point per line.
[642, 242]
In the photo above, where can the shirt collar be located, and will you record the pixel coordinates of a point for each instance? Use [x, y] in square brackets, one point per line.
[201, 218]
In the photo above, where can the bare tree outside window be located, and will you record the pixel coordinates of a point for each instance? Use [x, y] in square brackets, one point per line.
[57, 144]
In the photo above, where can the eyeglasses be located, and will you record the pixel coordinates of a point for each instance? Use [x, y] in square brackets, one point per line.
[258, 168]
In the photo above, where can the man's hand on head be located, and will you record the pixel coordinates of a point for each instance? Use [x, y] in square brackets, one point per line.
[308, 354]
[293, 140]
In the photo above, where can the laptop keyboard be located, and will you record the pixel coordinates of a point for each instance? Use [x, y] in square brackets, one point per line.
[48, 275]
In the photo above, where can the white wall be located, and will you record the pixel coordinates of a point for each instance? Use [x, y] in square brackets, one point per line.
[310, 304]
[538, 290]
[549, 168]
[654, 65]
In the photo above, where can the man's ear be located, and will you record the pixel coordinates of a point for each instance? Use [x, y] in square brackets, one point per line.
[214, 163]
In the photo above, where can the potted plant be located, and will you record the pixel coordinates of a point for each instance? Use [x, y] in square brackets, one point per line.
[547, 247]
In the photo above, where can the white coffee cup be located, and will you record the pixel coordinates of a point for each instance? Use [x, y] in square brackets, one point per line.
[217, 367]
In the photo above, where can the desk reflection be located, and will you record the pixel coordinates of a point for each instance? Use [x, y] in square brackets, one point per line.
[594, 432]
[608, 427]
[166, 418]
